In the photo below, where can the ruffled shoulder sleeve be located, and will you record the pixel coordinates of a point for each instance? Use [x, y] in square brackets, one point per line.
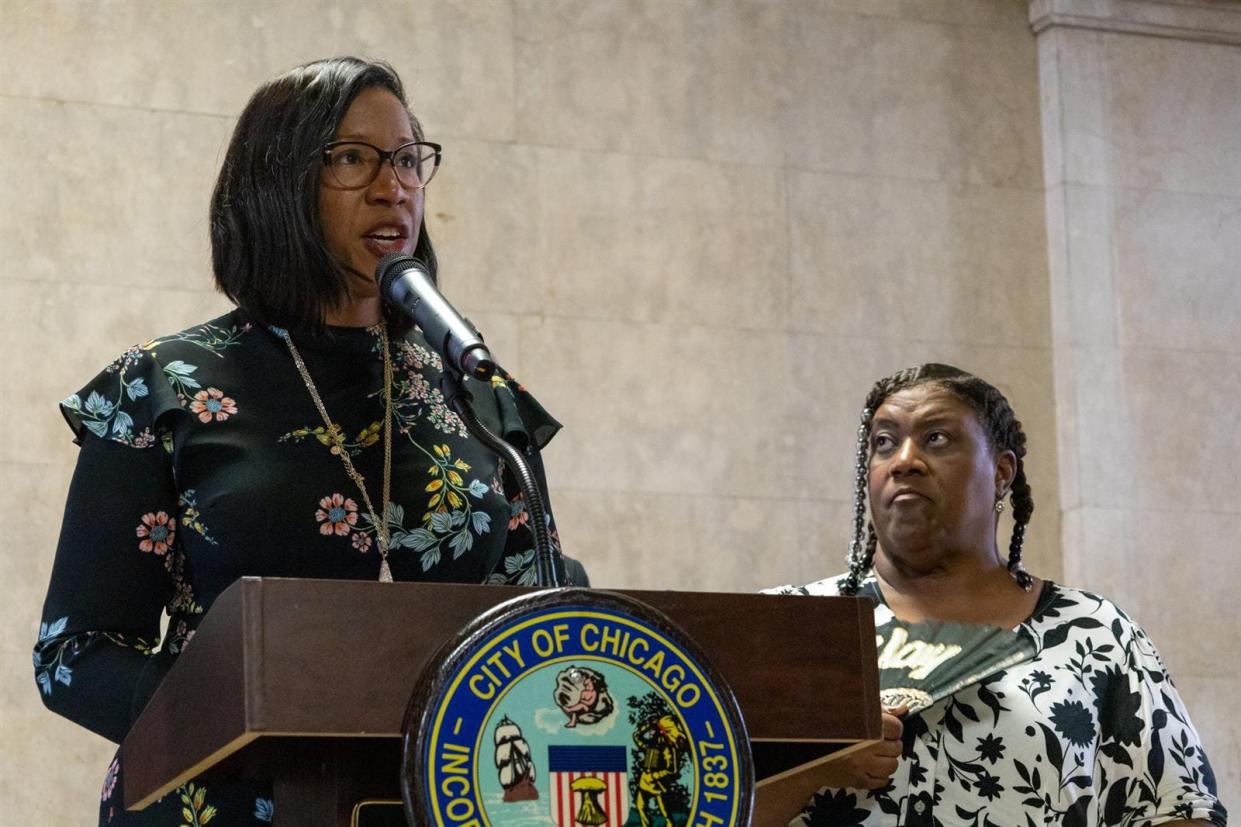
[130, 400]
[136, 397]
[512, 412]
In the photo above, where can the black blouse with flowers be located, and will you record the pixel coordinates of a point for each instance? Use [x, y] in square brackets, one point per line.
[203, 459]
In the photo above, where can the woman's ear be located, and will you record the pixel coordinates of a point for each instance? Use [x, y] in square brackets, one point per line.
[1005, 473]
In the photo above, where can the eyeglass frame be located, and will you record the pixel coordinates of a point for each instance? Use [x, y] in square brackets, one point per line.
[385, 155]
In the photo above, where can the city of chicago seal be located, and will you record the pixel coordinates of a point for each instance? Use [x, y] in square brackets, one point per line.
[574, 707]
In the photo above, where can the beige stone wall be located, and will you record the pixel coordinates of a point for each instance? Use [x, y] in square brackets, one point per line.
[1141, 123]
[698, 230]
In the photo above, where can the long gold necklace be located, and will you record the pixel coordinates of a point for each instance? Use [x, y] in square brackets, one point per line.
[337, 436]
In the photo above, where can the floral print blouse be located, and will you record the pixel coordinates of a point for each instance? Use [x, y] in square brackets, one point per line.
[1090, 731]
[203, 459]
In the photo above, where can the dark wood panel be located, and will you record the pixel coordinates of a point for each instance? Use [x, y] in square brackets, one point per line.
[280, 665]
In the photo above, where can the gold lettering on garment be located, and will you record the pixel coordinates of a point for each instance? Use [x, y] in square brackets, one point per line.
[918, 656]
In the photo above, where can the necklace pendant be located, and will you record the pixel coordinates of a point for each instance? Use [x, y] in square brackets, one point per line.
[385, 573]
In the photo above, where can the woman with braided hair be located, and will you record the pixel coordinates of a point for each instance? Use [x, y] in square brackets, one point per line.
[1089, 731]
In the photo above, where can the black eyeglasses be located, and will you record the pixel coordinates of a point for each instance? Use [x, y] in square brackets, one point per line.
[355, 164]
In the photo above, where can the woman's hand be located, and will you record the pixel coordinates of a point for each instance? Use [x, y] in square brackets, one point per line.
[873, 767]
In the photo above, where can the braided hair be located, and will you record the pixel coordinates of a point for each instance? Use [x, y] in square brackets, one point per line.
[1003, 434]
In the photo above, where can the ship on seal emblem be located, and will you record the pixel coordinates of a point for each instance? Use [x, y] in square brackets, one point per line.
[514, 763]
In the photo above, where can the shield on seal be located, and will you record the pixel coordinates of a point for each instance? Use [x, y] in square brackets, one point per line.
[589, 785]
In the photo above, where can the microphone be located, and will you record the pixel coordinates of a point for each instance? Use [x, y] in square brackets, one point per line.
[404, 282]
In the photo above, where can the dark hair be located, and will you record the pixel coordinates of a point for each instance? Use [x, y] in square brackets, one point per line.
[1003, 434]
[267, 245]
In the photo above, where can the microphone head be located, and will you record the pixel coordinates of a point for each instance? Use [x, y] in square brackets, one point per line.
[392, 265]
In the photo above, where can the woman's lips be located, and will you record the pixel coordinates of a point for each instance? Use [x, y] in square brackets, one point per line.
[380, 246]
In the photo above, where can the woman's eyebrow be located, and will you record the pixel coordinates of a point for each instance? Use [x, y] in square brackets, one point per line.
[361, 137]
[937, 419]
[932, 419]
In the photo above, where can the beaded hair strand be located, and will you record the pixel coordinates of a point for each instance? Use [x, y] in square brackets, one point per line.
[1004, 433]
[862, 553]
[859, 563]
[1004, 421]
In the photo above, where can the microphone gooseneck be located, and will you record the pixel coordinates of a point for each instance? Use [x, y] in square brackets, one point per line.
[549, 570]
[406, 284]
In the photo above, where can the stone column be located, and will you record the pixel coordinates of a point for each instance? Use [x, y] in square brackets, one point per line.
[1141, 113]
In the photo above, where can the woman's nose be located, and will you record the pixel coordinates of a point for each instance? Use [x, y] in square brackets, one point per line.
[907, 459]
[387, 187]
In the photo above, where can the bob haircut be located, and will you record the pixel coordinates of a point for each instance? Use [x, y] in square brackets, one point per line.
[267, 246]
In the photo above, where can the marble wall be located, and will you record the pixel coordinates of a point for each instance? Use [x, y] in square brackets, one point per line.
[697, 230]
[1141, 118]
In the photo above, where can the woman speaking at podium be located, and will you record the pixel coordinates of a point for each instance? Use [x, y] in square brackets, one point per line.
[301, 435]
[1088, 730]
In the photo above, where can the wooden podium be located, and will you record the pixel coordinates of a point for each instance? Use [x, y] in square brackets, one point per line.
[305, 682]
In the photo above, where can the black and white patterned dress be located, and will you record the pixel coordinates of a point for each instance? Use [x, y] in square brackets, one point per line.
[1089, 731]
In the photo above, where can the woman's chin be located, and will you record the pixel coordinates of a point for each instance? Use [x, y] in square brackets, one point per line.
[362, 284]
[911, 545]
[906, 532]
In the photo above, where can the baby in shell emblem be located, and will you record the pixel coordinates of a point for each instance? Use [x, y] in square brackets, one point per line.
[582, 694]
